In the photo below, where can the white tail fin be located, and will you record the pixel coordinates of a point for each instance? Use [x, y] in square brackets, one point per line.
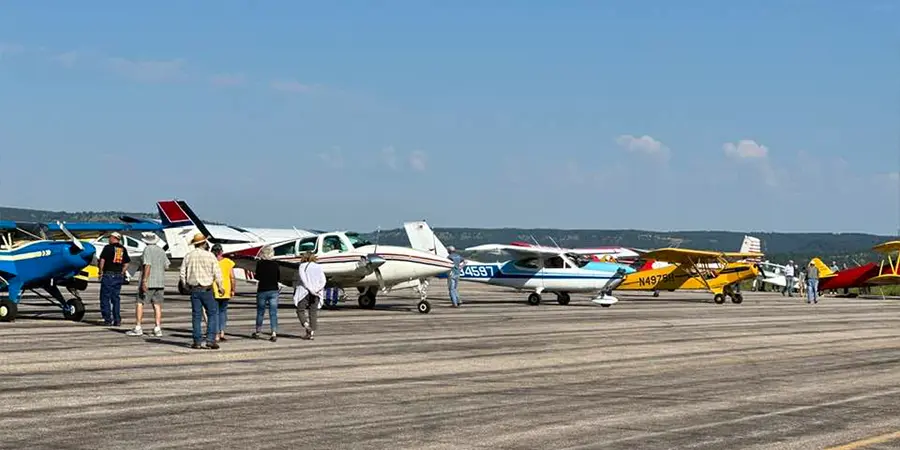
[751, 245]
[422, 238]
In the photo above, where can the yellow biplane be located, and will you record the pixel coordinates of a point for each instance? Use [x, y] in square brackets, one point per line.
[889, 272]
[715, 272]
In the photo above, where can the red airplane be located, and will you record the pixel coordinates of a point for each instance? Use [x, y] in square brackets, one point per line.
[866, 275]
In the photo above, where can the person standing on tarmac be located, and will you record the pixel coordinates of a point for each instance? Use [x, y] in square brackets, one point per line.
[113, 263]
[453, 279]
[309, 292]
[200, 272]
[788, 279]
[812, 284]
[153, 284]
[226, 265]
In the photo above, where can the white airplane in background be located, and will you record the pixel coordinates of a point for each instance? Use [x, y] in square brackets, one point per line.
[351, 261]
[525, 268]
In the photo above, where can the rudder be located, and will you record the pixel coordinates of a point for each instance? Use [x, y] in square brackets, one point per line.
[422, 238]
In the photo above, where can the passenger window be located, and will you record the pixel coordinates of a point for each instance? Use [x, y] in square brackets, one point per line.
[285, 249]
[554, 263]
[307, 245]
[530, 263]
[332, 244]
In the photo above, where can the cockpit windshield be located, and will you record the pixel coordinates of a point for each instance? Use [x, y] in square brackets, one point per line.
[356, 240]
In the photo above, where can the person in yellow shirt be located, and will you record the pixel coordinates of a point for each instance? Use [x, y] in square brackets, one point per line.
[227, 266]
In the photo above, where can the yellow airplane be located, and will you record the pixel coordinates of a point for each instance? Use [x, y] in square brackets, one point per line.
[888, 273]
[715, 272]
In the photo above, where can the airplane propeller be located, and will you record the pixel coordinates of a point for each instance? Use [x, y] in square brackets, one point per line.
[68, 233]
[373, 262]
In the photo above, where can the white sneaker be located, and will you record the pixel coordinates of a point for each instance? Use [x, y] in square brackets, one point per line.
[137, 331]
[306, 325]
[157, 331]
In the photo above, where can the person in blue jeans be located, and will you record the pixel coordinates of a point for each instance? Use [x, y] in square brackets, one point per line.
[812, 283]
[453, 279]
[112, 264]
[201, 273]
[268, 277]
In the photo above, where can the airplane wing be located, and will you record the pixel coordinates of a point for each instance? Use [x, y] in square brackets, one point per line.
[887, 247]
[93, 230]
[684, 256]
[735, 256]
[246, 259]
[517, 251]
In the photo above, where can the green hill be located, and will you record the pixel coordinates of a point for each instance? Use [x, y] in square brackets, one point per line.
[849, 248]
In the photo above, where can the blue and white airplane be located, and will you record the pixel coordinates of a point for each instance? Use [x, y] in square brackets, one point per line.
[535, 269]
[32, 257]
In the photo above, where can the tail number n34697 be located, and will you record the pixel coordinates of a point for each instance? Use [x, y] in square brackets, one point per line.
[477, 271]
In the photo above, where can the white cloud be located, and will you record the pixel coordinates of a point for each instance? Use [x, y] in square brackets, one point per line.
[644, 145]
[228, 79]
[68, 59]
[389, 157]
[333, 158]
[148, 71]
[745, 149]
[417, 161]
[291, 86]
[10, 49]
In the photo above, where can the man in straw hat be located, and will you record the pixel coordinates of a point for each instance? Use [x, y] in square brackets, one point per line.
[113, 263]
[199, 271]
[309, 292]
[153, 284]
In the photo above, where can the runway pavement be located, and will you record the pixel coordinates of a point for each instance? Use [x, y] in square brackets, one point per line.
[673, 372]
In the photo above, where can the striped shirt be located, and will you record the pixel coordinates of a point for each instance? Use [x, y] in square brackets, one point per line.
[201, 268]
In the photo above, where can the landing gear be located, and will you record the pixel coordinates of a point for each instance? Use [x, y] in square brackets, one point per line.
[534, 299]
[562, 298]
[424, 307]
[367, 298]
[8, 310]
[719, 299]
[74, 310]
[737, 299]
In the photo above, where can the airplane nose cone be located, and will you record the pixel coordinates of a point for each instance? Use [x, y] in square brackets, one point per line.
[88, 253]
[374, 261]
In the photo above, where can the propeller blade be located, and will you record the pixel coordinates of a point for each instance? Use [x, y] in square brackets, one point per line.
[70, 236]
[380, 279]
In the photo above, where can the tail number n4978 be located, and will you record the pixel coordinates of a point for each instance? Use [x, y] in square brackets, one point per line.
[653, 279]
[477, 271]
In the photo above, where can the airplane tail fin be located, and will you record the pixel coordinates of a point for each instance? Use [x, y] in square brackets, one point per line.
[751, 245]
[172, 215]
[824, 270]
[422, 238]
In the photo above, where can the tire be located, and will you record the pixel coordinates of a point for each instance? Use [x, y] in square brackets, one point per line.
[8, 310]
[719, 299]
[534, 299]
[74, 310]
[366, 301]
[737, 299]
[563, 298]
[424, 307]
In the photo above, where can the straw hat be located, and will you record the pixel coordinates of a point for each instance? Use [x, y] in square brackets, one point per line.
[115, 234]
[198, 239]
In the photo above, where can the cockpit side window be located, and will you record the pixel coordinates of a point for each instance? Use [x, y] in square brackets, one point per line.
[332, 244]
[286, 249]
[528, 263]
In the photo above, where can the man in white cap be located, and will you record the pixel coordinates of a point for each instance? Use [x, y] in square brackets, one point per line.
[789, 279]
[199, 271]
[153, 284]
[113, 263]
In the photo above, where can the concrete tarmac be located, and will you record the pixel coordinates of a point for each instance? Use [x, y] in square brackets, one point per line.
[671, 372]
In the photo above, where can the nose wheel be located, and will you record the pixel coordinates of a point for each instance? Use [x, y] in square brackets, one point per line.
[534, 299]
[424, 307]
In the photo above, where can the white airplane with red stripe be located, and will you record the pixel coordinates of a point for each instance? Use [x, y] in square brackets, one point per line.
[351, 261]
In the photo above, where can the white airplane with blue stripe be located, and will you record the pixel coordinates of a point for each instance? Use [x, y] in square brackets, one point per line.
[536, 269]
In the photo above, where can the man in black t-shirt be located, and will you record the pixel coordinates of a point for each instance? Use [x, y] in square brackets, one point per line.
[113, 263]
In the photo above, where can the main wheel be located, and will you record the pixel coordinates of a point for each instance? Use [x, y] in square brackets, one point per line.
[367, 301]
[563, 298]
[74, 310]
[424, 307]
[8, 310]
[534, 299]
[737, 299]
[719, 299]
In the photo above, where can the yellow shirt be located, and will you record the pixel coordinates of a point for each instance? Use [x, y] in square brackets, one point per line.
[226, 265]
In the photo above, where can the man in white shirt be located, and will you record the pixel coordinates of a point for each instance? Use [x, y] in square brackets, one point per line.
[308, 293]
[789, 279]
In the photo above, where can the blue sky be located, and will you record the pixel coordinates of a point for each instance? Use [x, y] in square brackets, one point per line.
[768, 115]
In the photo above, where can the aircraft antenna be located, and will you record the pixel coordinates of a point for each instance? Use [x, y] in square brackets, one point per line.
[553, 241]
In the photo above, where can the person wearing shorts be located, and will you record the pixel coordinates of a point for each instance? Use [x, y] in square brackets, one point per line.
[153, 284]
